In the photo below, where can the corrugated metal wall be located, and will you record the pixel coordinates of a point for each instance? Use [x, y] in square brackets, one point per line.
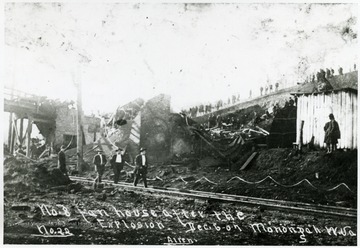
[314, 110]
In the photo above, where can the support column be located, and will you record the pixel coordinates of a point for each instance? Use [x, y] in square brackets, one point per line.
[10, 130]
[13, 136]
[21, 137]
[10, 120]
[29, 130]
[79, 124]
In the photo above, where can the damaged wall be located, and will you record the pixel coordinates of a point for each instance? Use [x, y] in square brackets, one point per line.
[181, 136]
[91, 126]
[66, 125]
[155, 129]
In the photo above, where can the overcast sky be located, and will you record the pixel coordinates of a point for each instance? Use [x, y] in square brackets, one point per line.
[194, 52]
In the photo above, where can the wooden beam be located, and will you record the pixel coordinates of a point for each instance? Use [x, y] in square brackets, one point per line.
[79, 146]
[248, 161]
[29, 130]
[13, 136]
[211, 145]
[17, 137]
[43, 120]
[10, 130]
[21, 137]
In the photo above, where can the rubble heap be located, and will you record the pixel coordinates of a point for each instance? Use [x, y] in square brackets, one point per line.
[24, 175]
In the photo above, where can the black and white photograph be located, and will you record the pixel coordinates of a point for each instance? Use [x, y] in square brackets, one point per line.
[174, 123]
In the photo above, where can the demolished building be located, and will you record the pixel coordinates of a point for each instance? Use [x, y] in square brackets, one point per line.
[55, 120]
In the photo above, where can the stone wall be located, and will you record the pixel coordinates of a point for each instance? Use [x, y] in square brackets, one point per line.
[155, 129]
[66, 125]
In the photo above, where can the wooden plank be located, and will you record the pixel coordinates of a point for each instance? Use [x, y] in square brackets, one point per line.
[248, 161]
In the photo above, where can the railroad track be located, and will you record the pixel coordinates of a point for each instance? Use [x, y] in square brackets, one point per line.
[271, 204]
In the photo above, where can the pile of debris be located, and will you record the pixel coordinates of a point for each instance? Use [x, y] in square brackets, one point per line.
[22, 174]
[236, 138]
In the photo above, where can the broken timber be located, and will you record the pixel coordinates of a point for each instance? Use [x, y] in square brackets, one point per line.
[248, 161]
[211, 145]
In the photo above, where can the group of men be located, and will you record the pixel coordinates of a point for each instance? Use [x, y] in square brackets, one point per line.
[117, 163]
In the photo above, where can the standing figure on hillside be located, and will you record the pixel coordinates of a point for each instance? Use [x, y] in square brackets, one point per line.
[332, 134]
[201, 109]
[332, 72]
[141, 165]
[219, 121]
[328, 73]
[277, 86]
[266, 89]
[271, 87]
[62, 160]
[209, 121]
[261, 90]
[117, 163]
[99, 161]
[340, 71]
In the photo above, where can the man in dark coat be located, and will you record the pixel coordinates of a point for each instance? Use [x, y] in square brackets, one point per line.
[62, 160]
[117, 164]
[141, 165]
[99, 161]
[332, 134]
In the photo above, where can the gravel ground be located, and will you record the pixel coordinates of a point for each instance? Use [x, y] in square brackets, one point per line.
[37, 213]
[130, 218]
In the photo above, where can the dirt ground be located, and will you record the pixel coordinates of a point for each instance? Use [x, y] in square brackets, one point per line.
[39, 212]
[283, 165]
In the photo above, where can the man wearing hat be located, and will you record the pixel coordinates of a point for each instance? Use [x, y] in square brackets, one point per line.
[99, 161]
[62, 160]
[117, 163]
[141, 165]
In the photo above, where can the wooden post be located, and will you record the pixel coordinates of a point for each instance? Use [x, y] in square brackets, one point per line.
[10, 120]
[79, 147]
[13, 135]
[21, 137]
[29, 130]
[10, 131]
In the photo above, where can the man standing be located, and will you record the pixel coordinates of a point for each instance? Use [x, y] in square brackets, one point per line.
[332, 134]
[62, 160]
[117, 163]
[99, 161]
[141, 165]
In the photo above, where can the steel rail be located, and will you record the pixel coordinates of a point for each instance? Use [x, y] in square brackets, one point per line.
[309, 205]
[245, 200]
